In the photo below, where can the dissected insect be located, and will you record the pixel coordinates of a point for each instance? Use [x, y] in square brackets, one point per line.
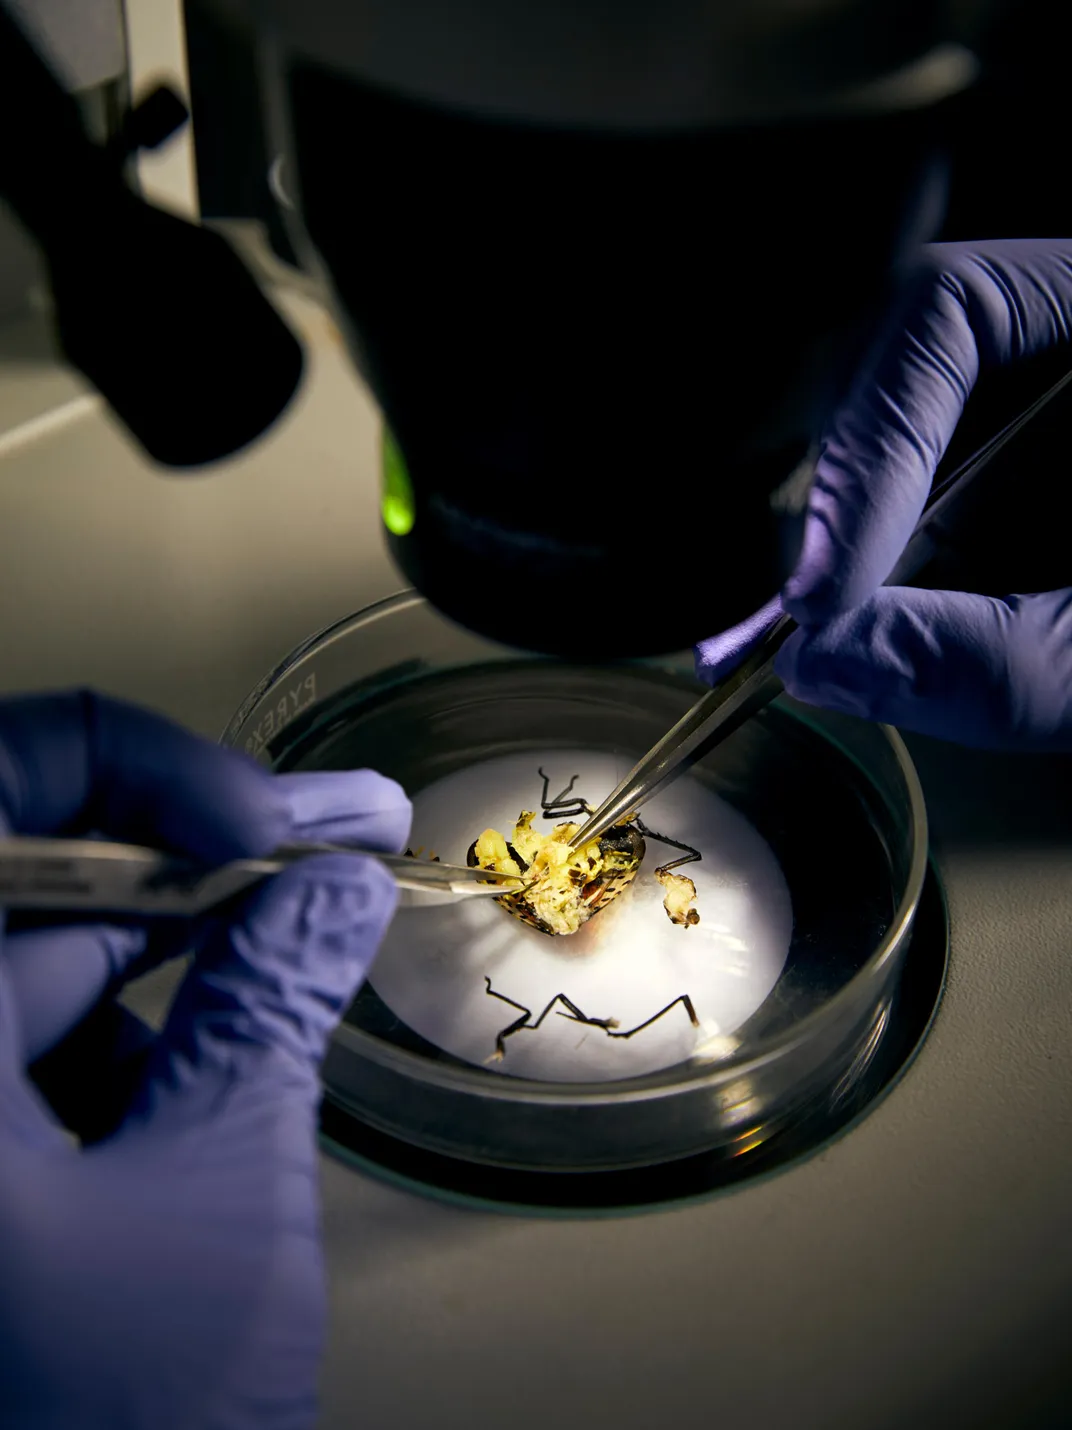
[565, 887]
[574, 1014]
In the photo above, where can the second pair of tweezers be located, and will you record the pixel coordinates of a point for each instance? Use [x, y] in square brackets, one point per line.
[94, 875]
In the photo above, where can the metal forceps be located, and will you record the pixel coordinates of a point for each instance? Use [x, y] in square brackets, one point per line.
[753, 683]
[83, 875]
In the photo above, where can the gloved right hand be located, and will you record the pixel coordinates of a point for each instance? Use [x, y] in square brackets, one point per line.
[168, 1276]
[962, 667]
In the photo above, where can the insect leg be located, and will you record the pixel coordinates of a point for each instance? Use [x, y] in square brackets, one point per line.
[511, 1028]
[682, 998]
[544, 801]
[504, 1033]
[691, 854]
[576, 1016]
[562, 804]
[503, 999]
[676, 863]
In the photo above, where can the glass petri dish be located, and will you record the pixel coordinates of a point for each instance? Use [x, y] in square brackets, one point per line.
[813, 839]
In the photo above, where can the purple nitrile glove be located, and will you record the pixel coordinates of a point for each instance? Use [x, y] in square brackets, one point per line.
[967, 668]
[169, 1275]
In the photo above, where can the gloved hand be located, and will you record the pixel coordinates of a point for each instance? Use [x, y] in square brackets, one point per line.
[169, 1275]
[967, 668]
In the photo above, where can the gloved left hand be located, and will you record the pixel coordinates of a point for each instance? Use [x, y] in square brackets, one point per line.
[169, 1274]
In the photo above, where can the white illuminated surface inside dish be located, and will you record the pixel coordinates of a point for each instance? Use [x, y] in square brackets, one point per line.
[627, 963]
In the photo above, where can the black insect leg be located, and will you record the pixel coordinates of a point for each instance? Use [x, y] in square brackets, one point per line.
[690, 856]
[682, 998]
[503, 999]
[546, 803]
[677, 863]
[574, 1014]
[504, 1033]
[562, 804]
[514, 1027]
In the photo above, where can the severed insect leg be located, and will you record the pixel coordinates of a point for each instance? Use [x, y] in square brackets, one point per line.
[562, 804]
[514, 1027]
[682, 998]
[574, 1014]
